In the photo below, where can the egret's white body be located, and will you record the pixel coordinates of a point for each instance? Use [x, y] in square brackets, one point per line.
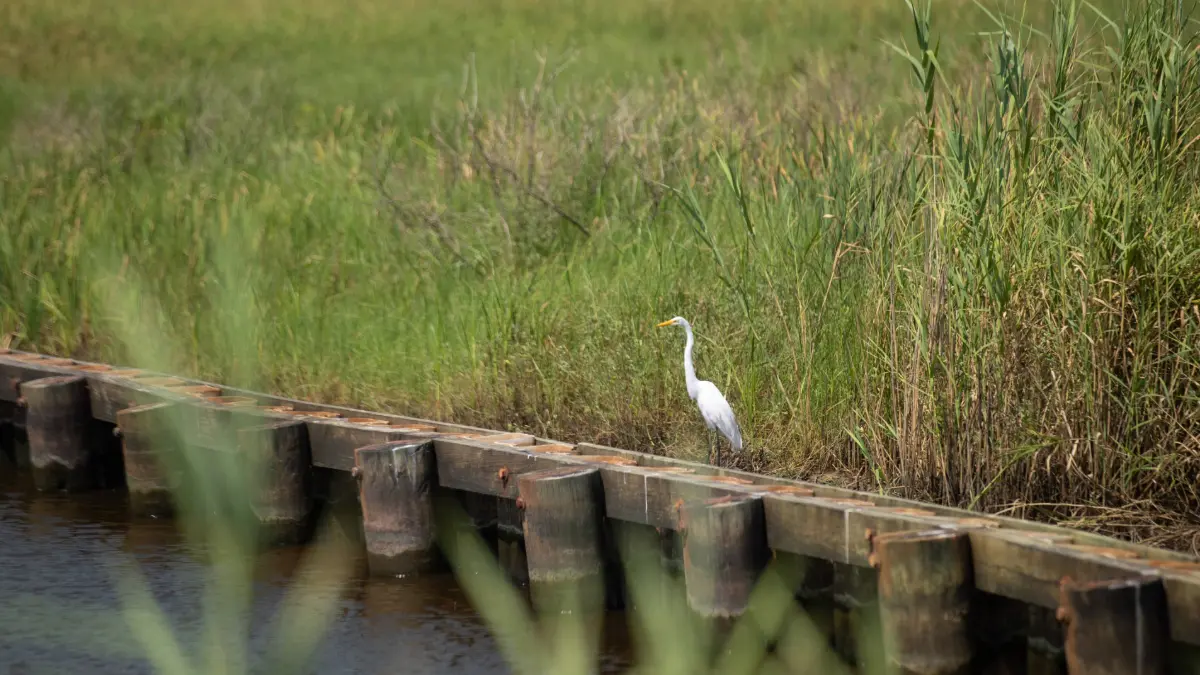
[717, 414]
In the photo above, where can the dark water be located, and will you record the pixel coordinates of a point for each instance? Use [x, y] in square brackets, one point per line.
[60, 610]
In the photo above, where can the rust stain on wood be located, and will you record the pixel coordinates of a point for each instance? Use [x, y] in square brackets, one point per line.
[155, 381]
[367, 421]
[124, 373]
[202, 390]
[607, 459]
[908, 511]
[553, 448]
[408, 426]
[794, 490]
[845, 501]
[1183, 566]
[508, 439]
[731, 480]
[233, 400]
[1105, 551]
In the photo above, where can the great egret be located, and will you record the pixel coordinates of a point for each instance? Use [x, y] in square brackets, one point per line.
[713, 407]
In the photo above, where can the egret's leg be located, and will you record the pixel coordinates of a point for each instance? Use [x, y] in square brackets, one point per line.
[710, 446]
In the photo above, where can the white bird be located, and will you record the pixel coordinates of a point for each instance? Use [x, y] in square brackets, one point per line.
[713, 407]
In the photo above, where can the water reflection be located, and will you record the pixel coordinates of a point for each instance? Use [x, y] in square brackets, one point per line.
[59, 608]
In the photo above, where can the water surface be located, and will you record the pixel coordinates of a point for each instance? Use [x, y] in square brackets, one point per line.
[60, 609]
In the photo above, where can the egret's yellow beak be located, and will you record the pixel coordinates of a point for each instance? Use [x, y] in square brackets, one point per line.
[668, 322]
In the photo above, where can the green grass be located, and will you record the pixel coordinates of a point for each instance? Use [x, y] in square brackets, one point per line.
[975, 283]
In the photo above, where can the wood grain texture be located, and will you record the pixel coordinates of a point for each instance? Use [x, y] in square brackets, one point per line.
[18, 367]
[283, 501]
[148, 441]
[724, 551]
[1029, 568]
[565, 537]
[63, 450]
[397, 481]
[215, 425]
[925, 588]
[1115, 626]
[334, 442]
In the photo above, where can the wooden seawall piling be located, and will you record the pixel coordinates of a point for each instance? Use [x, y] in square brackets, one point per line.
[397, 482]
[914, 571]
[148, 445]
[724, 551]
[564, 532]
[63, 450]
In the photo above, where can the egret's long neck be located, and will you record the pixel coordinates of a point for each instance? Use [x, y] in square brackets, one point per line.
[689, 371]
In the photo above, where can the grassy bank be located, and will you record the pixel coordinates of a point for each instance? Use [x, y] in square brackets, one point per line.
[975, 283]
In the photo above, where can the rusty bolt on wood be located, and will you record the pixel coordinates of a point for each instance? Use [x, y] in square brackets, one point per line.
[520, 503]
[117, 432]
[502, 474]
[356, 473]
[21, 402]
[1063, 612]
[872, 556]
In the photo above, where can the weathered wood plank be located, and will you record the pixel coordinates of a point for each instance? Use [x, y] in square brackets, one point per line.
[635, 494]
[335, 440]
[111, 394]
[1029, 568]
[115, 386]
[18, 367]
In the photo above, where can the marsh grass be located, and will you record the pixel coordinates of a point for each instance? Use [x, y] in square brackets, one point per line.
[962, 270]
[946, 254]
